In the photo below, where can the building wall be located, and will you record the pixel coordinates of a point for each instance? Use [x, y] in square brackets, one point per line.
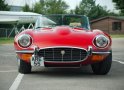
[117, 31]
[102, 25]
[106, 26]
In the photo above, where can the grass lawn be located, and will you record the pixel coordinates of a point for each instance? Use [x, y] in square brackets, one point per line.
[118, 36]
[6, 40]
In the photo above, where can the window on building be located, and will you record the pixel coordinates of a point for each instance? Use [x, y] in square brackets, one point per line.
[116, 26]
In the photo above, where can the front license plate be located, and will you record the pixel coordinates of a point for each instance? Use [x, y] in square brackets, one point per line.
[37, 61]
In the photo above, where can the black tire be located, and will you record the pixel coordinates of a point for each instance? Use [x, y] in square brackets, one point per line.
[24, 67]
[102, 68]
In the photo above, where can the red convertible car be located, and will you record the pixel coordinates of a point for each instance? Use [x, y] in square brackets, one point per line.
[64, 41]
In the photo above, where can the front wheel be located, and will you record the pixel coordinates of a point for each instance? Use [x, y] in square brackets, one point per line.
[103, 67]
[24, 67]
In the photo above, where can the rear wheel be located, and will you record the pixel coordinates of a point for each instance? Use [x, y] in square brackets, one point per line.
[24, 67]
[103, 67]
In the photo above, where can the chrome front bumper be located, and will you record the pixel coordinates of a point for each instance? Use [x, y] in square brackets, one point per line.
[39, 61]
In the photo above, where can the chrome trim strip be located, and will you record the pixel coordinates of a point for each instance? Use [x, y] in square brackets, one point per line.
[66, 61]
[64, 67]
[25, 51]
[66, 47]
[90, 50]
[101, 52]
[63, 47]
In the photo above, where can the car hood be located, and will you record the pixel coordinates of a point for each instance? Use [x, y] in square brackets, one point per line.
[63, 36]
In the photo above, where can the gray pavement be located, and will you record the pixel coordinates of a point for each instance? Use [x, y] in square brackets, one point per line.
[62, 79]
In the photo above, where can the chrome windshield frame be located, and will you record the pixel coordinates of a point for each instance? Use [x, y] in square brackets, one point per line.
[45, 19]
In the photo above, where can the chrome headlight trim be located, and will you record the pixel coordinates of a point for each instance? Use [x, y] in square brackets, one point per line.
[24, 40]
[101, 41]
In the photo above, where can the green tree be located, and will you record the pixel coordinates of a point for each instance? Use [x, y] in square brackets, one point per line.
[119, 5]
[77, 10]
[90, 9]
[4, 6]
[50, 7]
[26, 8]
[98, 12]
[56, 7]
[71, 11]
[39, 7]
[86, 6]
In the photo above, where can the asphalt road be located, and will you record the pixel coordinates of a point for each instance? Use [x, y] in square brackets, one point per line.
[61, 79]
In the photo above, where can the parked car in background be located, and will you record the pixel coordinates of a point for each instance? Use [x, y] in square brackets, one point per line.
[63, 41]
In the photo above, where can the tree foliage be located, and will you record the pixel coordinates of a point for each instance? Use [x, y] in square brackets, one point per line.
[119, 5]
[56, 7]
[85, 7]
[39, 7]
[4, 6]
[98, 12]
[90, 9]
[48, 7]
[26, 8]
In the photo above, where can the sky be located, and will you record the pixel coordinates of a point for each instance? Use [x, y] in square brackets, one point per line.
[71, 3]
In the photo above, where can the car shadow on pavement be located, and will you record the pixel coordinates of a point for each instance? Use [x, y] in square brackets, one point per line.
[116, 72]
[62, 71]
[85, 71]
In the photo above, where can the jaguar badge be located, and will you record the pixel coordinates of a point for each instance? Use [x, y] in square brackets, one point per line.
[62, 52]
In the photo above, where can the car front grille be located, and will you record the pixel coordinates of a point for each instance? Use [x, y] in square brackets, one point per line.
[63, 54]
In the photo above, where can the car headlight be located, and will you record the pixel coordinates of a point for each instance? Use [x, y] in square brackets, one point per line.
[101, 41]
[24, 40]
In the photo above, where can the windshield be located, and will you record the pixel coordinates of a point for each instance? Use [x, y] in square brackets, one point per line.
[50, 21]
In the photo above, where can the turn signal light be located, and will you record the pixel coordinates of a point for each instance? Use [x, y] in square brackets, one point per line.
[98, 57]
[25, 57]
